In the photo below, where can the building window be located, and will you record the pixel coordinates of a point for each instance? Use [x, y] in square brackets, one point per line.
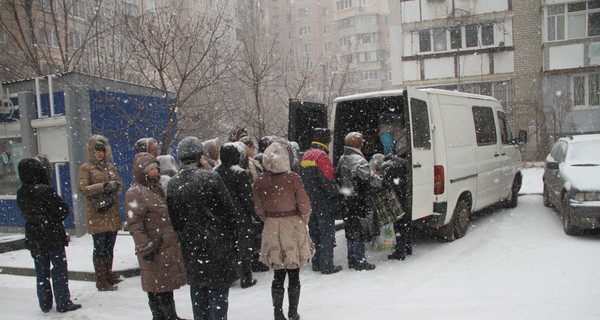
[455, 38]
[586, 91]
[366, 37]
[44, 5]
[487, 35]
[327, 47]
[48, 37]
[346, 41]
[306, 48]
[365, 3]
[370, 56]
[366, 20]
[303, 12]
[290, 35]
[78, 9]
[325, 12]
[472, 36]
[439, 40]
[424, 41]
[343, 4]
[304, 30]
[76, 40]
[573, 20]
[326, 29]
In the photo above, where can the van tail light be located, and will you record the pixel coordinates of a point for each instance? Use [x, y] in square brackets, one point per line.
[438, 179]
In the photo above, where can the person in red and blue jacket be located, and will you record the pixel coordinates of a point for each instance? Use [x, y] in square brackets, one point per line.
[318, 175]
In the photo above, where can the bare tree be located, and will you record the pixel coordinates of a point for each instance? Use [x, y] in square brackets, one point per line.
[47, 36]
[181, 53]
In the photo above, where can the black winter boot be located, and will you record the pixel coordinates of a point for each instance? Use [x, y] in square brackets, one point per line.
[154, 303]
[277, 295]
[167, 306]
[294, 299]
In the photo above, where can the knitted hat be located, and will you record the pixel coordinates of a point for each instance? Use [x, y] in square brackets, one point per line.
[322, 135]
[189, 149]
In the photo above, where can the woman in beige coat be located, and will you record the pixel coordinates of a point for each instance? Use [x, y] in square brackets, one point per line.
[98, 176]
[156, 242]
[282, 203]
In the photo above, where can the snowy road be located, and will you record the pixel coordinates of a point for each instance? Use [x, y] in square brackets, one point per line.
[512, 264]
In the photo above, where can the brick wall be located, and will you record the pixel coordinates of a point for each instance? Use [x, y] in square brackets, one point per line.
[527, 37]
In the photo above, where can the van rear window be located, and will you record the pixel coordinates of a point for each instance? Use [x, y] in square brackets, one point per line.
[485, 126]
[420, 124]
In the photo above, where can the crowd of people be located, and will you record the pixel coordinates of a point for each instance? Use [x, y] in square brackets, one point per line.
[223, 213]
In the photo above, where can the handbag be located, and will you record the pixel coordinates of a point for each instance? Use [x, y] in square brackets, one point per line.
[387, 206]
[104, 202]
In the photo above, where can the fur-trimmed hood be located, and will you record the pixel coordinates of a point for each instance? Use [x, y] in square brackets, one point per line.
[91, 151]
[277, 158]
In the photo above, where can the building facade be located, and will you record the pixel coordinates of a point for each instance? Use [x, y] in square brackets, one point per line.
[571, 66]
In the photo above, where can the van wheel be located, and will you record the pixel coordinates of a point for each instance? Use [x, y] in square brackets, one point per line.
[513, 197]
[566, 216]
[546, 197]
[457, 228]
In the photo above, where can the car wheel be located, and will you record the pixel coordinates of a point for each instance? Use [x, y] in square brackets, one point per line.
[566, 216]
[546, 197]
[513, 197]
[459, 224]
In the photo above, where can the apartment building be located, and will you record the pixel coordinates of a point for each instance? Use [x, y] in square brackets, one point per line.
[571, 65]
[486, 47]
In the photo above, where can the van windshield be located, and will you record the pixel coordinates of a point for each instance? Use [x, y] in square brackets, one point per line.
[367, 116]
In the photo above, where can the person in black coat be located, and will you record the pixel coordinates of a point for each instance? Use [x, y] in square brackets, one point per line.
[203, 216]
[393, 172]
[356, 179]
[45, 237]
[239, 186]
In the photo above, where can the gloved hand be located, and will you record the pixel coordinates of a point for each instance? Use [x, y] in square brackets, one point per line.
[149, 247]
[111, 186]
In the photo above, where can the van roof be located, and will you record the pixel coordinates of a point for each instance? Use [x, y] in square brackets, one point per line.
[377, 94]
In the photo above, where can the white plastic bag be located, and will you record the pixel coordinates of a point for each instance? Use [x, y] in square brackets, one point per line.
[386, 240]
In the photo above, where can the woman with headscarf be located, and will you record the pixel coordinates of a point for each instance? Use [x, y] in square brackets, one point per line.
[282, 203]
[156, 243]
[98, 177]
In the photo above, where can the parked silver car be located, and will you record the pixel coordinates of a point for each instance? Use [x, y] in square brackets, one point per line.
[572, 181]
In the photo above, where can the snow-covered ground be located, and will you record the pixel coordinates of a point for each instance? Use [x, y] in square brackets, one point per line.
[512, 264]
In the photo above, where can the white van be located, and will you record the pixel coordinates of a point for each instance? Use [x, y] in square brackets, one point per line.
[462, 154]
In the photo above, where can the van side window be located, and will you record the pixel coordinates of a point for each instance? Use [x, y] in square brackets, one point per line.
[485, 126]
[505, 134]
[420, 124]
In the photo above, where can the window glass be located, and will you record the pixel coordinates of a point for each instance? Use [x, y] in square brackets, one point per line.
[577, 27]
[574, 7]
[505, 134]
[594, 24]
[439, 40]
[471, 35]
[11, 151]
[455, 38]
[485, 126]
[562, 152]
[579, 90]
[424, 41]
[594, 88]
[487, 35]
[420, 124]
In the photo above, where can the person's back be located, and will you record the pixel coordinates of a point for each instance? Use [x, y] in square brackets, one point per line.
[44, 210]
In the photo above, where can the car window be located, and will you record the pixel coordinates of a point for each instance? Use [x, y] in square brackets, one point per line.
[554, 151]
[485, 126]
[505, 134]
[562, 152]
[420, 124]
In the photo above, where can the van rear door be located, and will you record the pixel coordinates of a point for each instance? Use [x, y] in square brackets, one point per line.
[421, 157]
[304, 116]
